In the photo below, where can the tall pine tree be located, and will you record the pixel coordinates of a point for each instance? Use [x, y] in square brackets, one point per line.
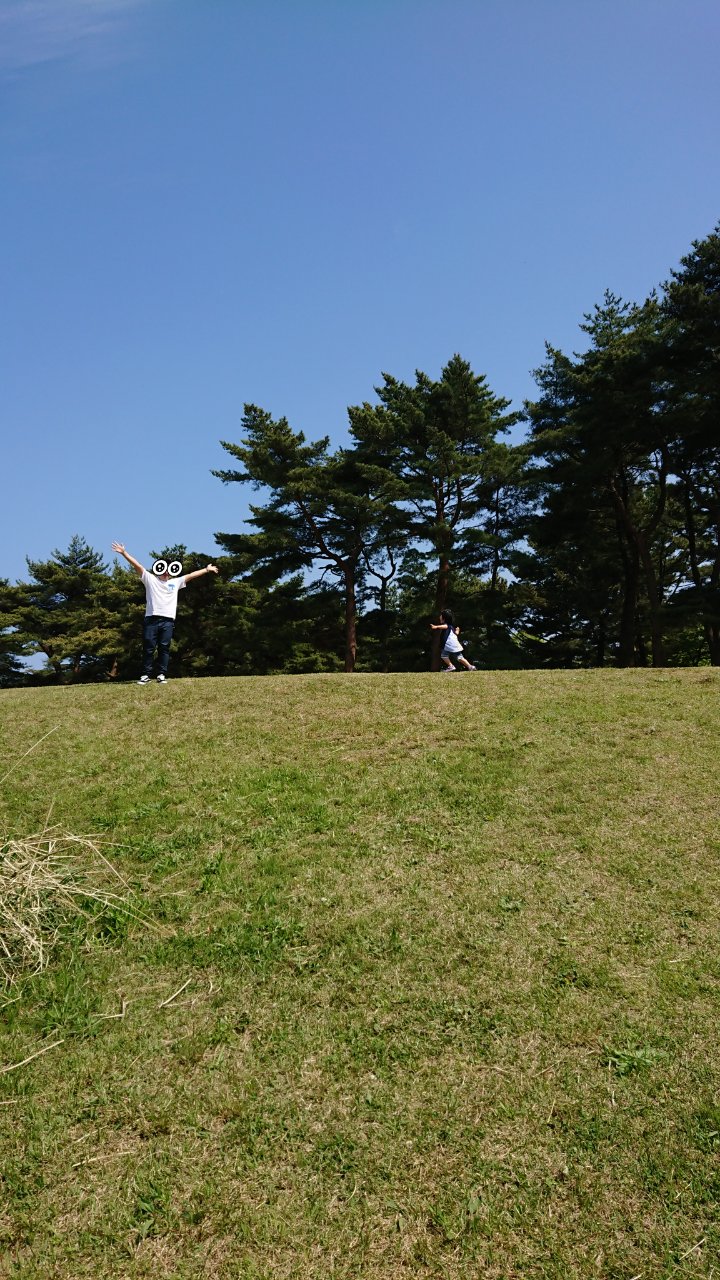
[432, 451]
[321, 513]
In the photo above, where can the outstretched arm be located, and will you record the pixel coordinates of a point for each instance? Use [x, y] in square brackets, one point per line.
[200, 573]
[119, 547]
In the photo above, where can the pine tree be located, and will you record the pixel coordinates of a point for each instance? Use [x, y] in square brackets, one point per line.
[12, 646]
[691, 336]
[60, 614]
[431, 452]
[599, 431]
[320, 512]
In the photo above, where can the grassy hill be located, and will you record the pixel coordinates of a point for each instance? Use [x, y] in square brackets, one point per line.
[422, 979]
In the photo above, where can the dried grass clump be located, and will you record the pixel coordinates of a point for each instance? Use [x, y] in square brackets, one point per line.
[45, 881]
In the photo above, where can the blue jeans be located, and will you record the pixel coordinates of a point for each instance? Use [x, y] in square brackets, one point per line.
[157, 634]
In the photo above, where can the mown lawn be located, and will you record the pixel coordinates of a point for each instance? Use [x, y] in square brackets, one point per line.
[447, 959]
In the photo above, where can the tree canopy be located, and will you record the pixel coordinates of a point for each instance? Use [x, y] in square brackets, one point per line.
[595, 540]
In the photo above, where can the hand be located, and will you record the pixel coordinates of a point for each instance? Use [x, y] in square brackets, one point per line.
[211, 568]
[120, 547]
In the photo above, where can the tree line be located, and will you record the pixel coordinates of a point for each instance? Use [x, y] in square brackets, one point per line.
[595, 541]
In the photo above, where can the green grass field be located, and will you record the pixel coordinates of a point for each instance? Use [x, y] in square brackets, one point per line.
[445, 961]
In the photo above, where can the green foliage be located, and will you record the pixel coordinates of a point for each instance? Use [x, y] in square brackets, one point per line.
[691, 336]
[321, 512]
[596, 542]
[624, 551]
[432, 452]
[73, 613]
[12, 645]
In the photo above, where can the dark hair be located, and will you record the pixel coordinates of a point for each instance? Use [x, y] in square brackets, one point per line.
[446, 615]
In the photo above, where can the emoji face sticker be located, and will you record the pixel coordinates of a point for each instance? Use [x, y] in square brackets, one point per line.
[161, 567]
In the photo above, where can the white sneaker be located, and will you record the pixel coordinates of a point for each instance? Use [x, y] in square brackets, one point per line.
[144, 680]
[449, 668]
[161, 679]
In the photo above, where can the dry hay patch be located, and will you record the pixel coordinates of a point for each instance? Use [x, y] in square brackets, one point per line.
[47, 881]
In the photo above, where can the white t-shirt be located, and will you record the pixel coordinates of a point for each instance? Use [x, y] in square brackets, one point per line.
[161, 597]
[452, 644]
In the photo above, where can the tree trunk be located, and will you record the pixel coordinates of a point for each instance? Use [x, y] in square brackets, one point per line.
[441, 598]
[712, 637]
[496, 550]
[601, 642]
[350, 616]
[711, 630]
[641, 650]
[657, 640]
[384, 655]
[638, 545]
[626, 655]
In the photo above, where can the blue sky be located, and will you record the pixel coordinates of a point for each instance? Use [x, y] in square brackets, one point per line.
[208, 202]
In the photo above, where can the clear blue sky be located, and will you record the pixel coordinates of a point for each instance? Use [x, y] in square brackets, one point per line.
[207, 202]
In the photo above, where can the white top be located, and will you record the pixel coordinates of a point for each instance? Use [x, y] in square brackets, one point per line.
[452, 644]
[161, 597]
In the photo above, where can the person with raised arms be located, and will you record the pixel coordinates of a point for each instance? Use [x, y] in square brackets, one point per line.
[161, 598]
